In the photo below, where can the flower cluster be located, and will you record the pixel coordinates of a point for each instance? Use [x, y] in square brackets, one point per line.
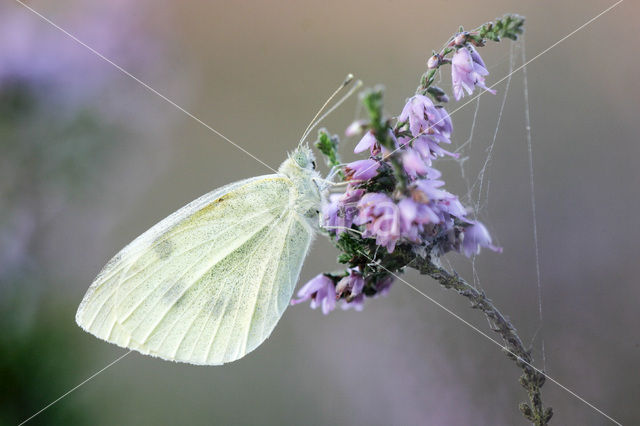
[325, 290]
[395, 205]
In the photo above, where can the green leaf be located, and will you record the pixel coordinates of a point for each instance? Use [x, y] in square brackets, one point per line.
[328, 146]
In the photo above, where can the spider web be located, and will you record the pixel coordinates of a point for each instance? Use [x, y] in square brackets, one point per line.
[476, 191]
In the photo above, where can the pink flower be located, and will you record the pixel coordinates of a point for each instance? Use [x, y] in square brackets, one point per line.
[467, 71]
[427, 119]
[430, 125]
[355, 282]
[476, 236]
[339, 213]
[321, 291]
[430, 189]
[369, 142]
[430, 150]
[413, 215]
[379, 214]
[413, 164]
[351, 286]
[361, 170]
[452, 206]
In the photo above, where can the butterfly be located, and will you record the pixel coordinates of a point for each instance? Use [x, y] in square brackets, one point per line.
[208, 284]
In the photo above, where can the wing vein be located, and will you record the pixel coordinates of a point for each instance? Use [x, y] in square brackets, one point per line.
[192, 208]
[200, 293]
[275, 275]
[188, 287]
[208, 241]
[236, 312]
[176, 256]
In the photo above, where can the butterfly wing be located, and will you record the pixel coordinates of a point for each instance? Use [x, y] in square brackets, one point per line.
[208, 284]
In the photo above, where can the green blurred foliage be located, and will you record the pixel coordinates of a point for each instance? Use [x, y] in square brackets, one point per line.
[37, 362]
[49, 152]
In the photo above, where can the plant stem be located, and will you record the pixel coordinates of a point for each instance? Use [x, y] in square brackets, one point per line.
[532, 379]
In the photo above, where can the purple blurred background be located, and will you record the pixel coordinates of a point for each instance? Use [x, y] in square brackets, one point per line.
[90, 159]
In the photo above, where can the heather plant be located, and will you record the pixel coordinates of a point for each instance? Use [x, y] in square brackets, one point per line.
[395, 212]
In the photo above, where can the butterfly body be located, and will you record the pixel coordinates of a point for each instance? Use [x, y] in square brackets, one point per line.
[208, 284]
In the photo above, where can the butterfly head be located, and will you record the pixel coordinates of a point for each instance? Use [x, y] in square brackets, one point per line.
[301, 163]
[303, 157]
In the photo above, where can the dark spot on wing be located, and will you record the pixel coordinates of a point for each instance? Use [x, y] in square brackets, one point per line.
[174, 295]
[164, 249]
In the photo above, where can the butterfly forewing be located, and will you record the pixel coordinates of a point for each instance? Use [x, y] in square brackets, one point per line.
[207, 284]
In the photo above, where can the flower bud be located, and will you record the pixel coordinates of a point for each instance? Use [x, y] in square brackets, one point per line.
[356, 128]
[342, 286]
[461, 38]
[434, 62]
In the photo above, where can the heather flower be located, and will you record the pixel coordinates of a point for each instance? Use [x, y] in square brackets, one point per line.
[351, 285]
[429, 125]
[361, 170]
[331, 212]
[475, 237]
[351, 288]
[413, 164]
[357, 297]
[413, 215]
[451, 205]
[369, 142]
[321, 291]
[442, 124]
[425, 118]
[429, 189]
[444, 201]
[379, 214]
[429, 149]
[467, 71]
[339, 213]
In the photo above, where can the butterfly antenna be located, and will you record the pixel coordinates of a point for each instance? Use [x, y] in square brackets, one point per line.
[344, 84]
[336, 105]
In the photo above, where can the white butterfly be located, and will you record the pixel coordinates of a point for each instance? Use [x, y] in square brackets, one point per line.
[208, 284]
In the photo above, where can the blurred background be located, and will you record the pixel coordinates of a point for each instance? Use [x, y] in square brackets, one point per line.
[89, 159]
